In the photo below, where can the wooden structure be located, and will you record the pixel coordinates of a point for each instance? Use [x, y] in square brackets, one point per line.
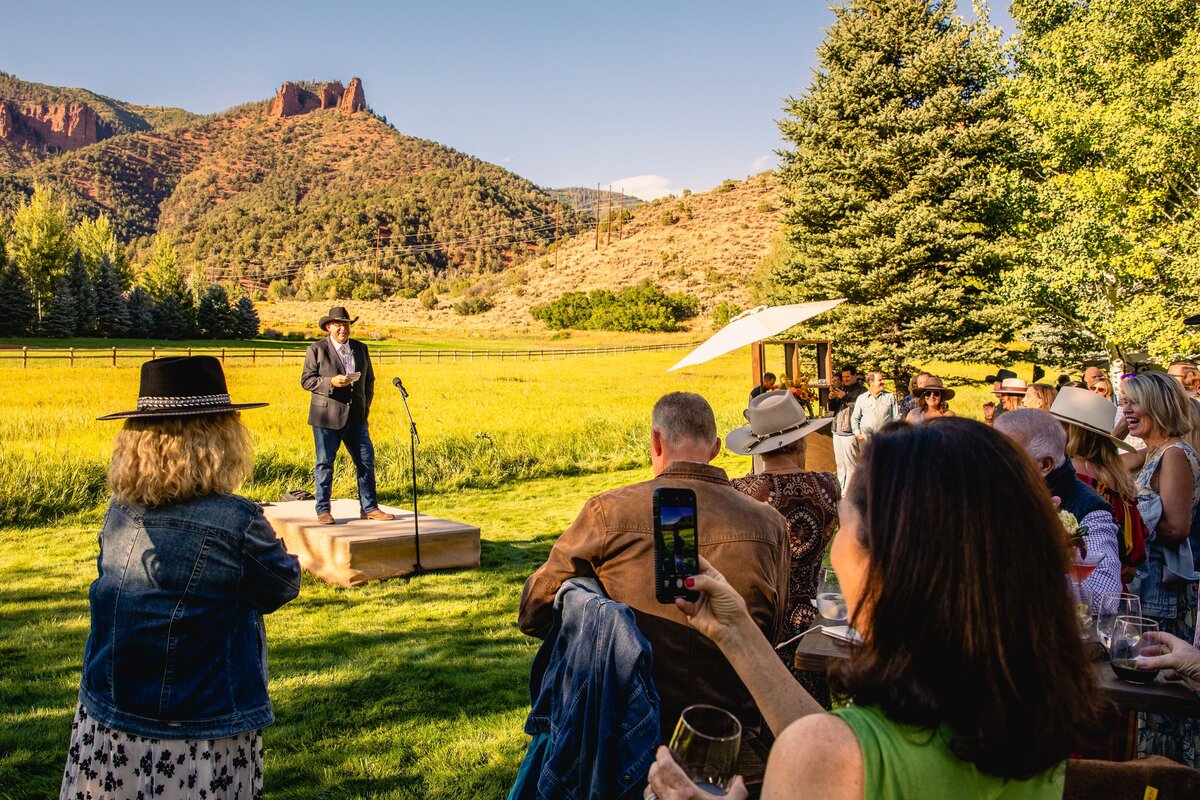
[361, 550]
[820, 444]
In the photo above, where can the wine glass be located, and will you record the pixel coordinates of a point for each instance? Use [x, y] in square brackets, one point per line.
[1111, 605]
[1127, 644]
[831, 603]
[705, 744]
[1080, 569]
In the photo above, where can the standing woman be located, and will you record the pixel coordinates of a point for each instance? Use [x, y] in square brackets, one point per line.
[174, 690]
[808, 500]
[1168, 484]
[931, 401]
[1040, 396]
[1103, 388]
[1094, 452]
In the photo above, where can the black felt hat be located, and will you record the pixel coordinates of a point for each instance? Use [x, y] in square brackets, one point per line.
[1000, 375]
[336, 314]
[1193, 320]
[182, 386]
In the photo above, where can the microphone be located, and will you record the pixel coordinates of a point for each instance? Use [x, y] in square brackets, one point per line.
[399, 385]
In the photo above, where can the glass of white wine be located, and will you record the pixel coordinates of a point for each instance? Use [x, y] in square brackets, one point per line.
[1111, 605]
[706, 744]
[831, 603]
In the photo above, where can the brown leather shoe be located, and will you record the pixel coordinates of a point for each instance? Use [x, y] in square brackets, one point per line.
[376, 513]
[325, 518]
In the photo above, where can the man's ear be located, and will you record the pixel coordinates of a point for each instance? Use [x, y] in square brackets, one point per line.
[656, 445]
[715, 449]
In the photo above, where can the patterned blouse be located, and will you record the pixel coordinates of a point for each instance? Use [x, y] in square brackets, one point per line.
[808, 500]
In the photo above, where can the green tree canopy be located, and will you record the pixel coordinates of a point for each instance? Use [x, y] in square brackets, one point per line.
[903, 185]
[97, 240]
[17, 310]
[1111, 90]
[41, 243]
[174, 311]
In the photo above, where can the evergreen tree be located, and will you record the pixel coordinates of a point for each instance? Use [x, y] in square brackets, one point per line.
[112, 318]
[215, 318]
[42, 242]
[139, 305]
[17, 310]
[59, 316]
[80, 283]
[247, 318]
[174, 310]
[901, 188]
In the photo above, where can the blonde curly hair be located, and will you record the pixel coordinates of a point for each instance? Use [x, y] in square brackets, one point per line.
[170, 459]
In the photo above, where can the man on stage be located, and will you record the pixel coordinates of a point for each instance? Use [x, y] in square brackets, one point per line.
[337, 370]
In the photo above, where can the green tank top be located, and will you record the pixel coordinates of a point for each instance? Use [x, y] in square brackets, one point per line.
[901, 762]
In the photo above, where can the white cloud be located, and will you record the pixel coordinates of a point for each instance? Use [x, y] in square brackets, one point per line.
[763, 162]
[647, 187]
[506, 160]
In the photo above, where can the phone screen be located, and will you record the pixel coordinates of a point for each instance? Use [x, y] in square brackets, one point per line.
[676, 545]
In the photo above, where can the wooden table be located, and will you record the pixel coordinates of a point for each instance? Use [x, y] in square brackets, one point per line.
[816, 651]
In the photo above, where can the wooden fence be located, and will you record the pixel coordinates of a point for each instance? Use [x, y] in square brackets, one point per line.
[248, 356]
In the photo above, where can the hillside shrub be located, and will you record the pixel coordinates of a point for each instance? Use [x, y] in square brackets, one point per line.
[473, 305]
[428, 298]
[644, 307]
[723, 312]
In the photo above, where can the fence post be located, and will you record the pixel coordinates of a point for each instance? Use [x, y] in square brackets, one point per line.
[153, 353]
[281, 355]
[24, 356]
[71, 355]
[253, 354]
[222, 355]
[114, 356]
[189, 352]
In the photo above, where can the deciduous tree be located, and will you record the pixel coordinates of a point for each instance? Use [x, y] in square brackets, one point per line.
[41, 243]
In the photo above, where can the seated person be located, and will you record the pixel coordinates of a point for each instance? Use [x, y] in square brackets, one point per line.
[972, 680]
[612, 540]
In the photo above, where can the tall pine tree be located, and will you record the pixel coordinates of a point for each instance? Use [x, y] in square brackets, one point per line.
[174, 310]
[214, 315]
[247, 318]
[59, 315]
[139, 305]
[17, 309]
[80, 283]
[112, 318]
[902, 185]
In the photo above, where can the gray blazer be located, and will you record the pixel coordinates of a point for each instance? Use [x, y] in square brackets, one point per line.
[330, 406]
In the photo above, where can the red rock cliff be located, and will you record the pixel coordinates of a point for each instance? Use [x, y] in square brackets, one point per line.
[63, 126]
[354, 99]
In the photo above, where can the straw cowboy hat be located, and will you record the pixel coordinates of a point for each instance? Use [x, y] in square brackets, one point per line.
[1088, 410]
[182, 386]
[336, 314]
[776, 419]
[1013, 386]
[935, 384]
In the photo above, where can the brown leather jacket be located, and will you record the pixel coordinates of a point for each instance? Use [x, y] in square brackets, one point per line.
[612, 539]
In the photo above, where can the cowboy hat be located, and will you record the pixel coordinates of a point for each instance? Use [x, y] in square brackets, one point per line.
[182, 386]
[933, 383]
[336, 314]
[1013, 386]
[1089, 411]
[1000, 375]
[776, 419]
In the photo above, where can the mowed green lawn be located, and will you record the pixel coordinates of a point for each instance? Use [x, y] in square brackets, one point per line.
[401, 689]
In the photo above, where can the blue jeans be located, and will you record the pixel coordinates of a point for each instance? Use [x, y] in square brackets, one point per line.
[357, 439]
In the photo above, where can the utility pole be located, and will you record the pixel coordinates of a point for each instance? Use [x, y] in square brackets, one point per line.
[608, 216]
[597, 247]
[621, 215]
[556, 209]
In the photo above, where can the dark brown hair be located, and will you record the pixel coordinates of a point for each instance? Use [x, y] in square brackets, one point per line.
[970, 622]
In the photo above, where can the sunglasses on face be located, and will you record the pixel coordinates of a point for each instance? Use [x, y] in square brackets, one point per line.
[932, 394]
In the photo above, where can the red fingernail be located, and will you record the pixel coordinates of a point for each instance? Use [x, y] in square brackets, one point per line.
[690, 582]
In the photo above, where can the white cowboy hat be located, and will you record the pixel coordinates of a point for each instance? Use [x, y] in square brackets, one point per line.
[1088, 410]
[1014, 386]
[776, 419]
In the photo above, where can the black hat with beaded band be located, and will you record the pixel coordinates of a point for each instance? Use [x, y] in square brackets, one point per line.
[336, 314]
[182, 386]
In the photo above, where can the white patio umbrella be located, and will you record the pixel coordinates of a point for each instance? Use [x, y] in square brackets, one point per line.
[751, 326]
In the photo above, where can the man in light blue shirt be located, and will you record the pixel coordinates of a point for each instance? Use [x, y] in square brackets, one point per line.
[874, 408]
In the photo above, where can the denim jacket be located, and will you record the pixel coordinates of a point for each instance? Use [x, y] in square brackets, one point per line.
[594, 698]
[177, 648]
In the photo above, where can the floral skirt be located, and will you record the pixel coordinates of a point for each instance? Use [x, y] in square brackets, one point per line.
[106, 764]
[1177, 738]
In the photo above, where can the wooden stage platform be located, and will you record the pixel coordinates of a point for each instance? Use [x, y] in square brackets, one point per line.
[356, 551]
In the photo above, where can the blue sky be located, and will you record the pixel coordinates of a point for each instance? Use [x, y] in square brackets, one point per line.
[650, 96]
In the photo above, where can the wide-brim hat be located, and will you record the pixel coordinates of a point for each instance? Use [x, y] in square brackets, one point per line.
[1088, 410]
[1013, 386]
[1193, 320]
[1000, 375]
[336, 314]
[935, 383]
[776, 419]
[182, 386]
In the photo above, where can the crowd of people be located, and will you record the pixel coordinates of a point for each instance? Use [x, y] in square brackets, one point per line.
[971, 676]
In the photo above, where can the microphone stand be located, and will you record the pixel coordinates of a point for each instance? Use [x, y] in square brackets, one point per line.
[414, 440]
